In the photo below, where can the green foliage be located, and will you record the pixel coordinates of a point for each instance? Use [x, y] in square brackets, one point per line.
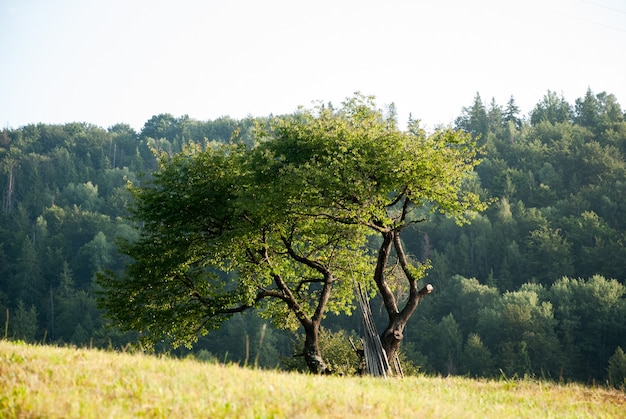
[476, 360]
[552, 109]
[474, 119]
[64, 197]
[617, 369]
[247, 339]
[448, 344]
[29, 277]
[567, 330]
[336, 349]
[227, 227]
[24, 323]
[76, 318]
[557, 177]
[589, 313]
[560, 181]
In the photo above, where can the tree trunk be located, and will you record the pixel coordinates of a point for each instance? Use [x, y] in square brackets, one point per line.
[394, 332]
[392, 336]
[312, 354]
[311, 326]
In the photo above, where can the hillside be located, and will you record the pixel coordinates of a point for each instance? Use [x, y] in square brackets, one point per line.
[47, 381]
[534, 286]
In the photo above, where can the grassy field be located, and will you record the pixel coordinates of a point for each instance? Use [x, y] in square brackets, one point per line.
[52, 382]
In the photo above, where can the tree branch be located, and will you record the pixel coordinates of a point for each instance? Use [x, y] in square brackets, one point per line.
[415, 295]
[405, 209]
[328, 279]
[379, 275]
[398, 198]
[303, 260]
[323, 299]
[307, 281]
[285, 294]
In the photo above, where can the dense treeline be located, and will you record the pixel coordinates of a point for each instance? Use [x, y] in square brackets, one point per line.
[547, 260]
[64, 199]
[534, 285]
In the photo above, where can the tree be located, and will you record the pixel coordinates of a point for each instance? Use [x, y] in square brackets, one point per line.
[76, 311]
[24, 323]
[589, 312]
[165, 132]
[511, 114]
[448, 345]
[283, 226]
[520, 328]
[248, 339]
[494, 116]
[617, 369]
[28, 283]
[9, 164]
[552, 109]
[464, 298]
[219, 237]
[164, 126]
[549, 254]
[94, 256]
[598, 246]
[474, 119]
[588, 111]
[477, 359]
[361, 171]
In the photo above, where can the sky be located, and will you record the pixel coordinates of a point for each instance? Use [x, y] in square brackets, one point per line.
[105, 62]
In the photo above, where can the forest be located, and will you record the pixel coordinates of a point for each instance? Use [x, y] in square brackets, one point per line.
[534, 286]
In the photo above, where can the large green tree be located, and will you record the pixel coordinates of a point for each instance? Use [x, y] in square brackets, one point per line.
[363, 171]
[219, 235]
[283, 226]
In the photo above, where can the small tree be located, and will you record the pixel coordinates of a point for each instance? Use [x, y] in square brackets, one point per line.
[477, 359]
[617, 369]
[24, 323]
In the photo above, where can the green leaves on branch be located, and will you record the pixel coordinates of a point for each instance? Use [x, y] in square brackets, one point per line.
[283, 225]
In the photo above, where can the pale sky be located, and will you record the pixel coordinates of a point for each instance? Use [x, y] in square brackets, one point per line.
[123, 61]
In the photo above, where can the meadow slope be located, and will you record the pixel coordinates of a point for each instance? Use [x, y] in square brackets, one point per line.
[53, 382]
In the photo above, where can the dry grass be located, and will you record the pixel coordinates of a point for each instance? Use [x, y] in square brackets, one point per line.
[52, 382]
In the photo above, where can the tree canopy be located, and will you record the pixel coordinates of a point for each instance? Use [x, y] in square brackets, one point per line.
[281, 226]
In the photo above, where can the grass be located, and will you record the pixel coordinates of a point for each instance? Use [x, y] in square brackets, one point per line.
[53, 382]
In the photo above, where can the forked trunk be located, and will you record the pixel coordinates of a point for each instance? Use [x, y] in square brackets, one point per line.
[393, 334]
